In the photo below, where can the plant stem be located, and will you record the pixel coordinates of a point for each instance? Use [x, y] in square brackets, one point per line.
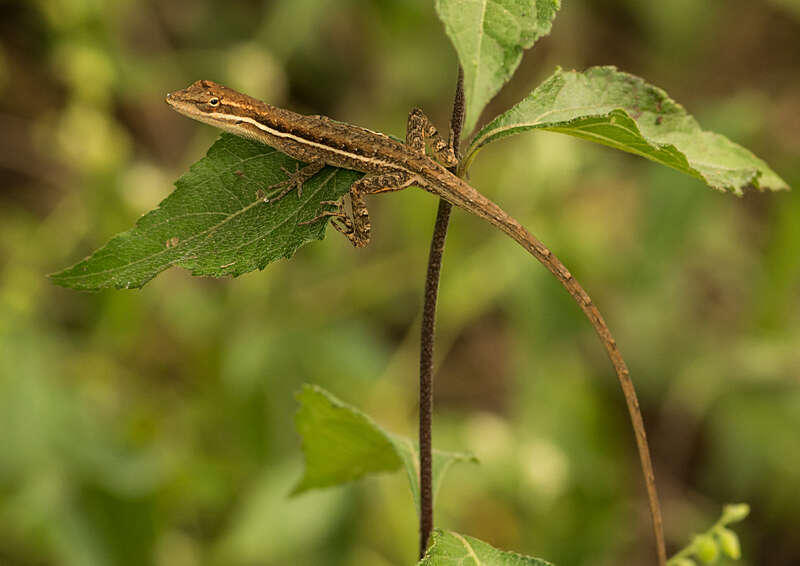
[427, 336]
[495, 215]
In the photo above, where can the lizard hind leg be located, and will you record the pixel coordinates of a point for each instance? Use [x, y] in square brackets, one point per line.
[356, 225]
[419, 129]
[340, 220]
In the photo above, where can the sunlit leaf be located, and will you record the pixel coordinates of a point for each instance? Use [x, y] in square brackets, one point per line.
[622, 111]
[216, 222]
[453, 549]
[342, 444]
[489, 37]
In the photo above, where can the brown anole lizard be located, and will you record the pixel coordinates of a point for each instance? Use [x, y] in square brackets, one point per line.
[390, 166]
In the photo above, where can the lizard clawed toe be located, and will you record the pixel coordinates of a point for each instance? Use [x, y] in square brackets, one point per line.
[295, 180]
[338, 214]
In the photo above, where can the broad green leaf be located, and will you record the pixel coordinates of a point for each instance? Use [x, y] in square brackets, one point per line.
[342, 444]
[489, 37]
[216, 222]
[622, 111]
[453, 549]
[442, 461]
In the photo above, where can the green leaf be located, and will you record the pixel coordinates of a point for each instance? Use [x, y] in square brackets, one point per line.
[442, 461]
[734, 512]
[453, 549]
[707, 548]
[342, 444]
[489, 37]
[216, 222]
[622, 111]
[729, 542]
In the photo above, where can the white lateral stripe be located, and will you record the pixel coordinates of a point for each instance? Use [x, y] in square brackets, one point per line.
[278, 133]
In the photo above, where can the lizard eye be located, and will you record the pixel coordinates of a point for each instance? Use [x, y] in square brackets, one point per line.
[214, 101]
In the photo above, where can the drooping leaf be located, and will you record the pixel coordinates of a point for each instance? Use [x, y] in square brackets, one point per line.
[622, 111]
[453, 549]
[442, 461]
[489, 37]
[342, 444]
[216, 222]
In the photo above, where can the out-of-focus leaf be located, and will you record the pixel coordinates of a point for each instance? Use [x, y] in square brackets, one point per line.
[294, 525]
[622, 111]
[442, 461]
[453, 549]
[342, 444]
[489, 37]
[734, 513]
[216, 222]
[706, 547]
[729, 543]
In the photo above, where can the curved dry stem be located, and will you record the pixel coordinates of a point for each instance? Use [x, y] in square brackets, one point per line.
[538, 250]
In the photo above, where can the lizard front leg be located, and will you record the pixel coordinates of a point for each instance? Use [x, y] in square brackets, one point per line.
[420, 129]
[356, 226]
[295, 179]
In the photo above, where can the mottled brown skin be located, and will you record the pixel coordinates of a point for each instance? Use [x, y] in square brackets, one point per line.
[318, 141]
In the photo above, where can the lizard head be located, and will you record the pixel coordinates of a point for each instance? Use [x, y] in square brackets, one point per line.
[200, 96]
[208, 101]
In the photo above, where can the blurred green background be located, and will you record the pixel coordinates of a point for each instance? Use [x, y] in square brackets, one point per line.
[154, 427]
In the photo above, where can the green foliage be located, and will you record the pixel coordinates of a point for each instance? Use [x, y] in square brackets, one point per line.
[489, 37]
[442, 461]
[707, 546]
[729, 543]
[216, 222]
[734, 513]
[193, 378]
[622, 111]
[342, 444]
[453, 549]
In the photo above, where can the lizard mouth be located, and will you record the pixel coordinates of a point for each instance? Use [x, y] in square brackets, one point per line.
[177, 100]
[173, 98]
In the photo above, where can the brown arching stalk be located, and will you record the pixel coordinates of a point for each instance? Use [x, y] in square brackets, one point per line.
[428, 334]
[554, 265]
[492, 213]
